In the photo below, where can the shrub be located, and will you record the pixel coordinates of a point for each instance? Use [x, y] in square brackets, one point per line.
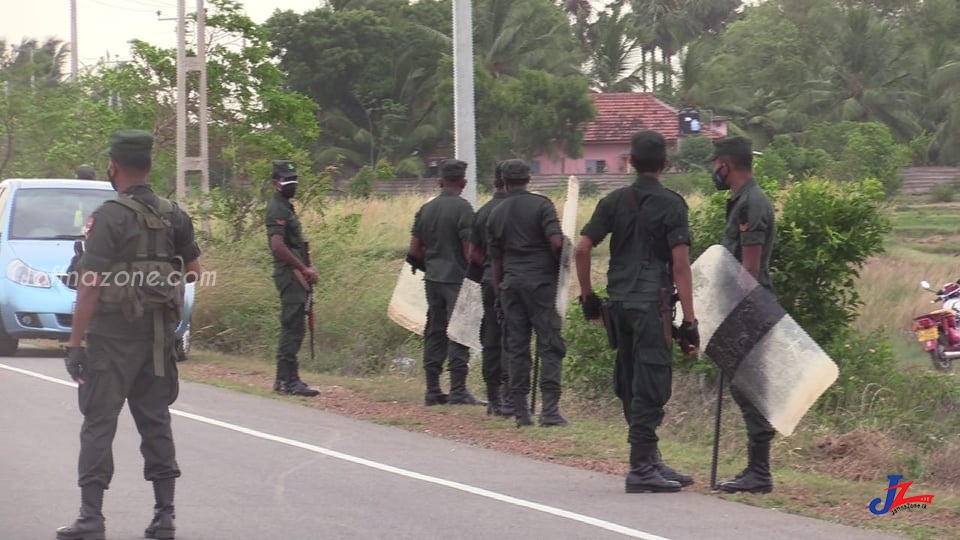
[588, 366]
[946, 192]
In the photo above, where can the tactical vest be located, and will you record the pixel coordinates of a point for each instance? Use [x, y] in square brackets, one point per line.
[152, 281]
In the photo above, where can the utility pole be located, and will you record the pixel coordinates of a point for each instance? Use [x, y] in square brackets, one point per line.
[186, 65]
[74, 54]
[464, 118]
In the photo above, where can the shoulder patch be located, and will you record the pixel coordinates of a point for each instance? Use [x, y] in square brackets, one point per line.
[88, 226]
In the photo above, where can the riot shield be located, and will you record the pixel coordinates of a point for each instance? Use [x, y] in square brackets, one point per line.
[464, 325]
[759, 347]
[408, 305]
[569, 227]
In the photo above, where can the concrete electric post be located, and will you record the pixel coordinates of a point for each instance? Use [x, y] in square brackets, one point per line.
[187, 64]
[464, 118]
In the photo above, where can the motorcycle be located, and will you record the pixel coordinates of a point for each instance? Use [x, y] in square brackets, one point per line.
[937, 330]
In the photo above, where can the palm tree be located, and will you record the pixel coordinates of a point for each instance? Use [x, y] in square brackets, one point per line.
[866, 77]
[614, 43]
[510, 34]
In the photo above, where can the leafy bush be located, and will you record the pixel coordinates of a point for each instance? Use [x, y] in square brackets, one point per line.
[588, 366]
[589, 188]
[943, 193]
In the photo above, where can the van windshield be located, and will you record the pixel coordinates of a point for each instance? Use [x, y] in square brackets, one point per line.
[54, 213]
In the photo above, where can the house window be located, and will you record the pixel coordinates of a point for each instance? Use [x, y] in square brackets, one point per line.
[596, 166]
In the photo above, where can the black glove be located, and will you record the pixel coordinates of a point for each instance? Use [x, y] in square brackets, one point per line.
[689, 336]
[415, 264]
[475, 272]
[75, 362]
[591, 306]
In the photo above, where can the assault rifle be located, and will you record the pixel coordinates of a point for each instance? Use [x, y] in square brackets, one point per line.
[309, 306]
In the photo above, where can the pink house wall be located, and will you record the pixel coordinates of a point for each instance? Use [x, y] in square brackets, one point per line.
[614, 154]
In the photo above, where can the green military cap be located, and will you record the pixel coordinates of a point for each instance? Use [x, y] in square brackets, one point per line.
[648, 144]
[515, 169]
[284, 169]
[453, 168]
[86, 172]
[735, 146]
[131, 144]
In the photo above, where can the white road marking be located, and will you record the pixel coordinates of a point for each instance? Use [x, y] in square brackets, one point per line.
[559, 512]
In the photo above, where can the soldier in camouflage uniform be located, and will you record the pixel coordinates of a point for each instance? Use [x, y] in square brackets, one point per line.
[292, 277]
[748, 235]
[495, 369]
[139, 250]
[439, 247]
[650, 240]
[524, 240]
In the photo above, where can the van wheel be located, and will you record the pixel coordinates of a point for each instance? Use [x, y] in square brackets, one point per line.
[8, 343]
[183, 346]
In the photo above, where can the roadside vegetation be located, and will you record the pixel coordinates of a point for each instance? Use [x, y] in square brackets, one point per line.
[839, 96]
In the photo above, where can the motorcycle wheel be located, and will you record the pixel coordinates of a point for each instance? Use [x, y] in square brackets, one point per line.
[940, 361]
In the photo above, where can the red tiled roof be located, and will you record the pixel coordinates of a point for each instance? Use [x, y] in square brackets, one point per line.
[621, 114]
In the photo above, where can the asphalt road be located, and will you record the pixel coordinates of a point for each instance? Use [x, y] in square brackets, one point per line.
[259, 468]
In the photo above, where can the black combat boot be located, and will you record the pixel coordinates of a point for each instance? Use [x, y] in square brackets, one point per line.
[521, 410]
[162, 525]
[283, 374]
[294, 386]
[90, 524]
[550, 414]
[644, 476]
[495, 401]
[756, 478]
[669, 474]
[459, 395]
[434, 396]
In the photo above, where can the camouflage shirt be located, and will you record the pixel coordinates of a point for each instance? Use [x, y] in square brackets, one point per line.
[478, 236]
[750, 221]
[645, 221]
[282, 219]
[443, 224]
[519, 231]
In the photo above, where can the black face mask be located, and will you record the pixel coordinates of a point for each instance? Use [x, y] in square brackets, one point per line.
[289, 191]
[720, 181]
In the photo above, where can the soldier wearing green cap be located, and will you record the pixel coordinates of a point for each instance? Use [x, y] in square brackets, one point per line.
[440, 247]
[139, 250]
[649, 246]
[748, 235]
[495, 369]
[524, 240]
[291, 276]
